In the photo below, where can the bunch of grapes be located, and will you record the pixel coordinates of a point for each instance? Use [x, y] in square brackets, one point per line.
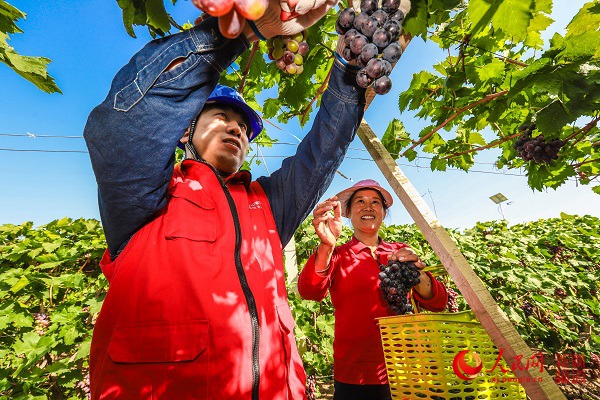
[536, 148]
[311, 387]
[84, 386]
[527, 308]
[452, 304]
[288, 52]
[233, 13]
[396, 280]
[42, 322]
[371, 38]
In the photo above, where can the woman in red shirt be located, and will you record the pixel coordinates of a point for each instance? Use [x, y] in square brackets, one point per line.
[350, 274]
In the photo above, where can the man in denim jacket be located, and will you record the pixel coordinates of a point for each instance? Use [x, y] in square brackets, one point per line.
[197, 305]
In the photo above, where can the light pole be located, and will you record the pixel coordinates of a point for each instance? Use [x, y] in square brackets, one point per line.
[499, 198]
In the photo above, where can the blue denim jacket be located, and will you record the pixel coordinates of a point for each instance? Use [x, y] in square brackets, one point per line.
[132, 134]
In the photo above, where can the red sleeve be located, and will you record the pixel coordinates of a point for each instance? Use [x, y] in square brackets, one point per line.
[311, 285]
[440, 296]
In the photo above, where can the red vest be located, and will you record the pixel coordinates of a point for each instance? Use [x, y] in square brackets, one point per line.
[197, 306]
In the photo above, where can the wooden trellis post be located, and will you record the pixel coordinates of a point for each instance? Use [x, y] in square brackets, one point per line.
[538, 385]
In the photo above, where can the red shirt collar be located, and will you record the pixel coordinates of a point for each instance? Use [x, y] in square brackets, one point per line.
[188, 167]
[357, 246]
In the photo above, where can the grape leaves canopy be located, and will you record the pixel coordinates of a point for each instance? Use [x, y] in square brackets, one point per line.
[499, 75]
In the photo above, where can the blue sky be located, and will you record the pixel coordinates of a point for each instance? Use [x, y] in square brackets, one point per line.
[88, 44]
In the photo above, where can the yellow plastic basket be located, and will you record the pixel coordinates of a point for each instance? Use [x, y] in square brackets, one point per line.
[419, 351]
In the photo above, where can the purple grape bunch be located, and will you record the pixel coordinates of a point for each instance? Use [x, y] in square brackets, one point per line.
[288, 52]
[536, 148]
[371, 38]
[396, 280]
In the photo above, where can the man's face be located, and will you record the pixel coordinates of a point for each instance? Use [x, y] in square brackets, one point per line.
[221, 137]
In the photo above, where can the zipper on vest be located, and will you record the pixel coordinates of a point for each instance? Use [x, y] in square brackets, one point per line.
[245, 288]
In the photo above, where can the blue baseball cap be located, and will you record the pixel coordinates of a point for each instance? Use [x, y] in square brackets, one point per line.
[226, 95]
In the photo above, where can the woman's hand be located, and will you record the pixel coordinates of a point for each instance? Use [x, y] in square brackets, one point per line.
[406, 254]
[327, 225]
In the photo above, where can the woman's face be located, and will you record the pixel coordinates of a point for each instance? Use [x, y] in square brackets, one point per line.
[366, 211]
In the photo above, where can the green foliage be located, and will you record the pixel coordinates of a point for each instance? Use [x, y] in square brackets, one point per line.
[34, 69]
[501, 79]
[51, 270]
[553, 264]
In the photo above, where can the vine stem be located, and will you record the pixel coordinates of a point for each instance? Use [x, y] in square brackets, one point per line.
[433, 91]
[320, 91]
[487, 146]
[247, 69]
[584, 162]
[487, 98]
[585, 129]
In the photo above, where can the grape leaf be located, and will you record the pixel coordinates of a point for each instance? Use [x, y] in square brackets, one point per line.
[511, 16]
[395, 137]
[8, 16]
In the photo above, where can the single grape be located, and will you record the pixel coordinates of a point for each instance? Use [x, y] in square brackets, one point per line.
[349, 36]
[387, 67]
[278, 42]
[368, 6]
[369, 51]
[280, 63]
[392, 52]
[390, 5]
[298, 37]
[347, 54]
[292, 46]
[382, 85]
[357, 43]
[360, 62]
[364, 80]
[299, 69]
[381, 38]
[303, 48]
[298, 60]
[397, 16]
[291, 68]
[346, 18]
[380, 16]
[288, 57]
[339, 29]
[370, 26]
[393, 28]
[359, 21]
[375, 68]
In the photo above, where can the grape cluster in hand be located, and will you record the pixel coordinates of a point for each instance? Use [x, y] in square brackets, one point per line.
[233, 13]
[396, 280]
[288, 52]
[371, 38]
[536, 148]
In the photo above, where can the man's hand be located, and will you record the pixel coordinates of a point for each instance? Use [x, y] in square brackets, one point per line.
[328, 226]
[310, 11]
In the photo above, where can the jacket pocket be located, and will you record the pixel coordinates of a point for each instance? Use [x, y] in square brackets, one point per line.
[191, 214]
[158, 342]
[296, 377]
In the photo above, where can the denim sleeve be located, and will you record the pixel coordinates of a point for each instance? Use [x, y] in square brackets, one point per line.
[131, 136]
[294, 189]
